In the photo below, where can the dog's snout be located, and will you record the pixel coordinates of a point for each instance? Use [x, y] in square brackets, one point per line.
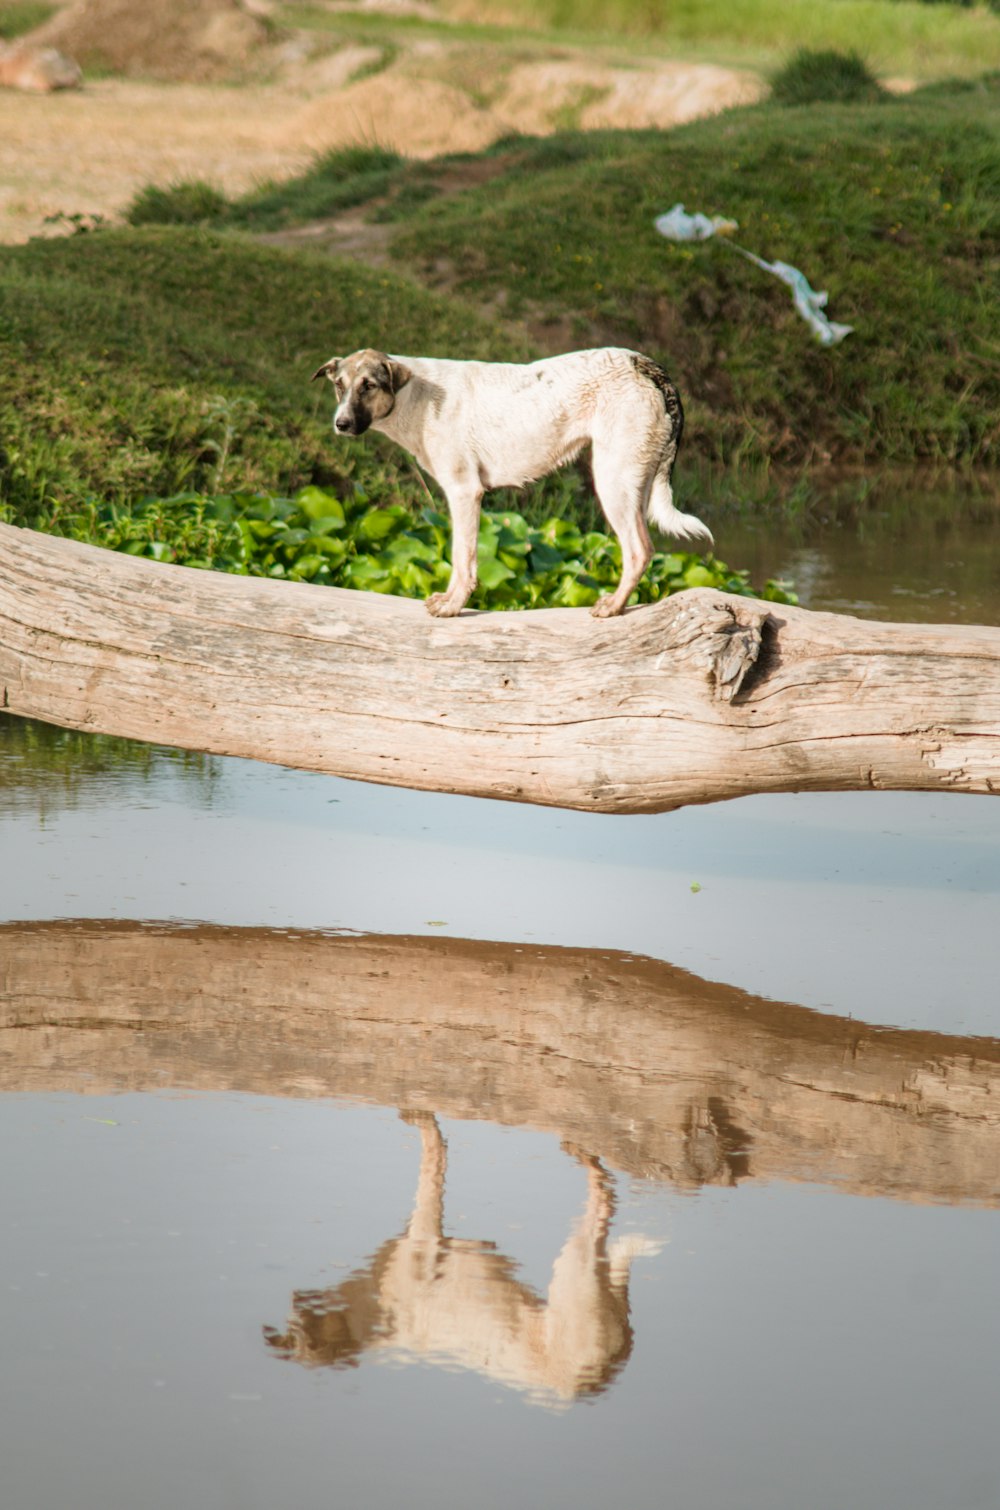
[353, 423]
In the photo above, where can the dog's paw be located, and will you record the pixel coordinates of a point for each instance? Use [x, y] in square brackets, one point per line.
[606, 607]
[442, 607]
[417, 1118]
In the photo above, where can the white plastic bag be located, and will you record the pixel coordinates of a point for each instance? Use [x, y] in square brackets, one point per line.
[678, 225]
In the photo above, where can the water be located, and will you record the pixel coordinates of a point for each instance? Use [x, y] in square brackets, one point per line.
[366, 1147]
[907, 554]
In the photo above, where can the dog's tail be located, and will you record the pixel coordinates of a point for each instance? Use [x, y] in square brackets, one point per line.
[660, 509]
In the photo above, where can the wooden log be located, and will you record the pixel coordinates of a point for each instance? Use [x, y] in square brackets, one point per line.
[697, 698]
[649, 1068]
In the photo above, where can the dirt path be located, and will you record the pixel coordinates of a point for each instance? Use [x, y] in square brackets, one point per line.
[89, 152]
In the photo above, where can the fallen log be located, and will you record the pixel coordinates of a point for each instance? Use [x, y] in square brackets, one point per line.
[643, 1065]
[700, 697]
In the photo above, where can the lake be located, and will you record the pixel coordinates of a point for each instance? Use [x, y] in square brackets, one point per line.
[371, 1147]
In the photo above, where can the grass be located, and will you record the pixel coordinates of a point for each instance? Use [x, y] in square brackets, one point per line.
[18, 17]
[335, 181]
[130, 360]
[925, 41]
[894, 208]
[192, 201]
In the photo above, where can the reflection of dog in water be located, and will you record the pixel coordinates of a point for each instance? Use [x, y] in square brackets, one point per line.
[457, 1301]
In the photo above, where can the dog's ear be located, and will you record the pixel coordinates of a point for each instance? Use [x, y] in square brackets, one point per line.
[399, 375]
[329, 369]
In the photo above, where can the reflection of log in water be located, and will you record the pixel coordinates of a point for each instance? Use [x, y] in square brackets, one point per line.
[653, 1070]
[458, 1300]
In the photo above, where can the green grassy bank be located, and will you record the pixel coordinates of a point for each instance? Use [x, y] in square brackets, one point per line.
[896, 36]
[892, 206]
[136, 363]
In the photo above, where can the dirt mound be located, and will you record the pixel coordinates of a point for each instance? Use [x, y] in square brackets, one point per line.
[406, 107]
[198, 40]
[418, 117]
[590, 95]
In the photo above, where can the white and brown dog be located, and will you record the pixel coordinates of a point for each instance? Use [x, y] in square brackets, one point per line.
[480, 425]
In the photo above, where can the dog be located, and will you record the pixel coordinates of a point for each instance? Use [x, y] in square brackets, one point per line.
[480, 425]
[457, 1301]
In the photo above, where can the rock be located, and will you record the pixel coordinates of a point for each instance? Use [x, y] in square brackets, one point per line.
[39, 70]
[190, 40]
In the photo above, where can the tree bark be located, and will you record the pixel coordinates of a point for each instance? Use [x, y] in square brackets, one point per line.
[649, 1068]
[697, 698]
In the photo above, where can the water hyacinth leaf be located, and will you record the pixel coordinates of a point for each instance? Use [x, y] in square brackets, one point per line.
[306, 567]
[377, 523]
[315, 536]
[562, 533]
[409, 547]
[489, 537]
[327, 525]
[413, 582]
[699, 575]
[576, 592]
[492, 572]
[544, 557]
[597, 543]
[334, 550]
[320, 506]
[511, 544]
[364, 571]
[260, 529]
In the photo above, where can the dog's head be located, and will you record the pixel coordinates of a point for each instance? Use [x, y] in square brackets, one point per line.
[366, 384]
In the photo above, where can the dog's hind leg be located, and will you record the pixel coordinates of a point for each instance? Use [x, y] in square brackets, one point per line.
[622, 488]
[463, 506]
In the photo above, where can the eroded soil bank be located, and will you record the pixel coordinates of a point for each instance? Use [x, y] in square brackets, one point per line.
[88, 152]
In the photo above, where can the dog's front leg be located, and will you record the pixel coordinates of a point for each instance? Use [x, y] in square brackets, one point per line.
[463, 506]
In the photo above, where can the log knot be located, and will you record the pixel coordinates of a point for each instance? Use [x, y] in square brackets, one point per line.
[736, 656]
[726, 634]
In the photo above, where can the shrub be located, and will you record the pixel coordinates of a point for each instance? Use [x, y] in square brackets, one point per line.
[832, 77]
[191, 202]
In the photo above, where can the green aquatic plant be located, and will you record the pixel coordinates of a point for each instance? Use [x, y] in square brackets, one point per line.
[349, 541]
